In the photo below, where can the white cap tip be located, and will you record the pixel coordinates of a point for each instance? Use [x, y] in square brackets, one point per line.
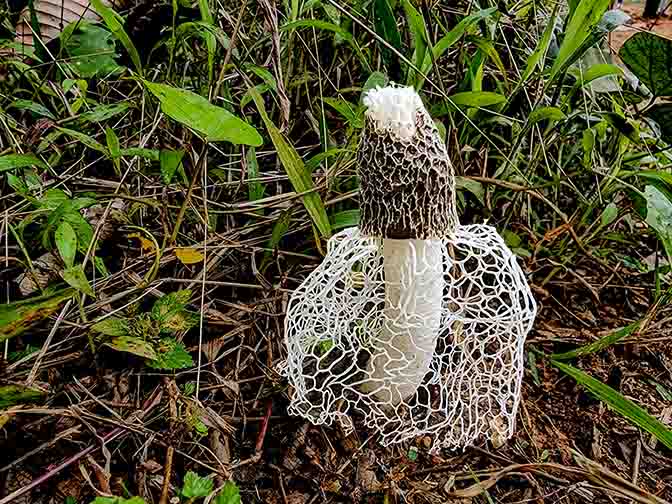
[393, 109]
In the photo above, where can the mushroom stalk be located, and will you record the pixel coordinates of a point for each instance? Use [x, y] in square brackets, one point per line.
[412, 212]
[414, 286]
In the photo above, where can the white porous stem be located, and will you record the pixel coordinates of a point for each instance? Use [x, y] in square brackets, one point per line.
[414, 280]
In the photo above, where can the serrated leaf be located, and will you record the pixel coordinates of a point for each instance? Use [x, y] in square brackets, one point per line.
[649, 57]
[229, 494]
[189, 255]
[15, 318]
[171, 354]
[194, 111]
[111, 326]
[170, 160]
[66, 242]
[76, 277]
[133, 345]
[168, 304]
[11, 395]
[614, 400]
[196, 486]
[13, 161]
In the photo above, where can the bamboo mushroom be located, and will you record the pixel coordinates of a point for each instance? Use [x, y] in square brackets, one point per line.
[408, 200]
[412, 321]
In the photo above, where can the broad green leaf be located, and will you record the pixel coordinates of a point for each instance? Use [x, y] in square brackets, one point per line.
[196, 486]
[91, 52]
[649, 57]
[116, 25]
[133, 345]
[112, 326]
[298, 175]
[279, 229]
[581, 25]
[32, 106]
[170, 160]
[194, 111]
[13, 161]
[11, 395]
[598, 345]
[171, 354]
[149, 154]
[609, 214]
[662, 114]
[229, 494]
[545, 114]
[345, 219]
[598, 72]
[113, 146]
[659, 216]
[15, 318]
[614, 400]
[66, 242]
[76, 277]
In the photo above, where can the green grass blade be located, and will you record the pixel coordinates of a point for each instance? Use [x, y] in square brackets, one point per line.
[299, 175]
[625, 407]
[598, 345]
[114, 22]
[586, 17]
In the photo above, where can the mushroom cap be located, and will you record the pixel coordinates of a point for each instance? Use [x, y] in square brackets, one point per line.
[406, 177]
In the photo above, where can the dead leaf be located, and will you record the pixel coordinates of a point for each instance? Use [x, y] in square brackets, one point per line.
[189, 255]
[145, 244]
[53, 16]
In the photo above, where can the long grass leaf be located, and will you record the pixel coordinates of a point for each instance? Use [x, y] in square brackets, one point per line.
[586, 17]
[625, 407]
[598, 345]
[114, 22]
[297, 172]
